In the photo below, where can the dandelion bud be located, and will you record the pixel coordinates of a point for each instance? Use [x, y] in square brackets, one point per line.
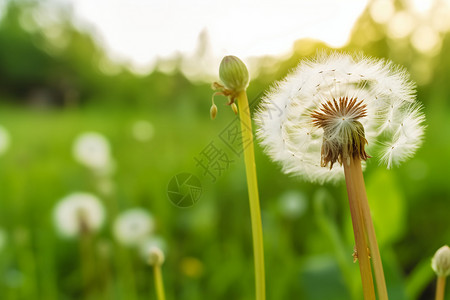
[441, 261]
[213, 111]
[156, 256]
[233, 73]
[234, 108]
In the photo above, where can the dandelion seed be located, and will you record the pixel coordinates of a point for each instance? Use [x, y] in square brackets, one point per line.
[4, 140]
[133, 226]
[94, 151]
[330, 108]
[78, 213]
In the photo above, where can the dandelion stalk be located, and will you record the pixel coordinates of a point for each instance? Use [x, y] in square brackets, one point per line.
[250, 168]
[356, 190]
[357, 194]
[156, 259]
[85, 243]
[159, 282]
[86, 258]
[234, 75]
[440, 288]
[373, 244]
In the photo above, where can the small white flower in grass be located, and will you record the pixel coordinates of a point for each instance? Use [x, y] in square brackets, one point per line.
[155, 256]
[78, 213]
[93, 150]
[4, 140]
[441, 261]
[133, 226]
[329, 108]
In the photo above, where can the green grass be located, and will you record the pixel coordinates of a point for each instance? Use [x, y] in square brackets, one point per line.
[302, 261]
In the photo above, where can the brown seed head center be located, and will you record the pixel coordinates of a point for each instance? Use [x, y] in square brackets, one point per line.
[344, 136]
[344, 109]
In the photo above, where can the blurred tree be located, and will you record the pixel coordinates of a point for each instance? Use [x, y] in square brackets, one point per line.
[43, 69]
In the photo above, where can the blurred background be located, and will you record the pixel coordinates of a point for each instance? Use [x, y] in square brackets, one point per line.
[102, 103]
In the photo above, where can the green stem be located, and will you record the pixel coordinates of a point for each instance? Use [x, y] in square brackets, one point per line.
[355, 191]
[373, 246]
[159, 282]
[86, 261]
[440, 288]
[370, 232]
[255, 213]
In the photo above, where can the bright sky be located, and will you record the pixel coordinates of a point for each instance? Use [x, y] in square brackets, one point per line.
[139, 31]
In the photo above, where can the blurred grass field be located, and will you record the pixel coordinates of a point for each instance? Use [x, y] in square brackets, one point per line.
[209, 249]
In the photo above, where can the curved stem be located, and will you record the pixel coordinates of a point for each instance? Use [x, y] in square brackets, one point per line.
[255, 213]
[374, 250]
[440, 288]
[86, 261]
[370, 232]
[159, 282]
[355, 191]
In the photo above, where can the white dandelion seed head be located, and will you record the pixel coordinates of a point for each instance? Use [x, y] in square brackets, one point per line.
[441, 261]
[93, 150]
[378, 102]
[133, 226]
[152, 249]
[5, 140]
[78, 212]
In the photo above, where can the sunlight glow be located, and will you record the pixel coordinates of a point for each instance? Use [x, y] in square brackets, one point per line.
[382, 10]
[139, 32]
[426, 40]
[401, 25]
[422, 6]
